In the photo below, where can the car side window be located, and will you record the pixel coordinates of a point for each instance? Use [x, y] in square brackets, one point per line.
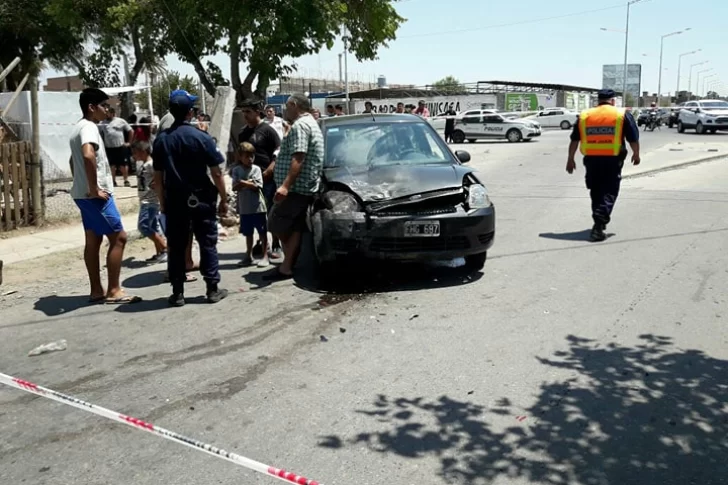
[492, 119]
[472, 119]
[555, 113]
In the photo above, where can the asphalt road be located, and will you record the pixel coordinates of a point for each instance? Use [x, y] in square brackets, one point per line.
[562, 362]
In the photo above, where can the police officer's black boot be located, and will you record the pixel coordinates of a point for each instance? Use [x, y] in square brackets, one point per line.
[177, 298]
[597, 232]
[215, 294]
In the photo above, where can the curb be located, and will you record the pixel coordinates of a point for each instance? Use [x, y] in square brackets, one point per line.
[677, 166]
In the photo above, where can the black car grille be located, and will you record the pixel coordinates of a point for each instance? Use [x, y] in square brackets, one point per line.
[722, 119]
[485, 238]
[444, 204]
[431, 212]
[396, 245]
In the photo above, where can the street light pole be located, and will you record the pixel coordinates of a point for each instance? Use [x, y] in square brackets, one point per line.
[705, 80]
[690, 77]
[679, 62]
[697, 84]
[659, 77]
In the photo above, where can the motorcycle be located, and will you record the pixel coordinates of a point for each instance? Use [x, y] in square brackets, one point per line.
[653, 121]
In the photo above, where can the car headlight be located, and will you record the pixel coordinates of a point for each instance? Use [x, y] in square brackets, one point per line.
[341, 202]
[478, 197]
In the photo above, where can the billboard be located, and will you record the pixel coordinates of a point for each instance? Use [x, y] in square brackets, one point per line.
[529, 101]
[577, 101]
[436, 105]
[613, 78]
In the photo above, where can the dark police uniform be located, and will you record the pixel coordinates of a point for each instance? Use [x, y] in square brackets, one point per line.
[184, 153]
[604, 172]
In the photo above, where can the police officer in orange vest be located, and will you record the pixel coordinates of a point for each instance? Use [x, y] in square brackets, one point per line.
[603, 133]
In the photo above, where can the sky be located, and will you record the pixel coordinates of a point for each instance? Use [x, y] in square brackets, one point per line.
[557, 41]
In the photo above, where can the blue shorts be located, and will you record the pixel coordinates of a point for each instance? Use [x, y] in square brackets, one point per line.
[253, 222]
[148, 223]
[100, 216]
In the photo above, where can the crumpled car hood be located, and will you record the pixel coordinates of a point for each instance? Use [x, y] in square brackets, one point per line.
[395, 181]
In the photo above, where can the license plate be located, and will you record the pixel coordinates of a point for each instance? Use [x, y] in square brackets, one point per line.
[422, 229]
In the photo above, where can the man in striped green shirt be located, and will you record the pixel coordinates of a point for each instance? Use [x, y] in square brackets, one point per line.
[298, 177]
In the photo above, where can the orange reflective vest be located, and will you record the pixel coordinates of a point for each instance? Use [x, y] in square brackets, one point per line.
[600, 131]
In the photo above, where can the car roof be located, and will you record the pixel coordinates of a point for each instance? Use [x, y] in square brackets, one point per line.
[370, 117]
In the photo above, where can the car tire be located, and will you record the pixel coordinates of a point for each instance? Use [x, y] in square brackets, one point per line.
[699, 128]
[471, 140]
[327, 272]
[458, 136]
[475, 262]
[565, 125]
[680, 127]
[514, 136]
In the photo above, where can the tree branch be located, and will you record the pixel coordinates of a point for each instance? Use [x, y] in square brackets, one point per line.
[138, 55]
[234, 46]
[246, 89]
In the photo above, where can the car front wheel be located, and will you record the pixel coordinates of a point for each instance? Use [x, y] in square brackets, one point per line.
[699, 128]
[475, 262]
[680, 127]
[514, 136]
[458, 136]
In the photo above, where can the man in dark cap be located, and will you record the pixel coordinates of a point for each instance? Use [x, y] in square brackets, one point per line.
[182, 157]
[603, 133]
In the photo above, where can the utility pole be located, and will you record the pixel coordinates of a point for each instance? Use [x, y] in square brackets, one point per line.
[346, 70]
[341, 72]
[35, 169]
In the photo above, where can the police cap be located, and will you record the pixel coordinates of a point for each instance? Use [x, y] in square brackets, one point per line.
[606, 94]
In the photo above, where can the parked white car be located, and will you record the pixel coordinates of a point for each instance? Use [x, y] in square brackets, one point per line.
[486, 124]
[438, 122]
[555, 118]
[706, 116]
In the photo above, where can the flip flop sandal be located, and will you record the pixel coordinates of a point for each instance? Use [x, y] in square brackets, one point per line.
[190, 279]
[98, 299]
[123, 300]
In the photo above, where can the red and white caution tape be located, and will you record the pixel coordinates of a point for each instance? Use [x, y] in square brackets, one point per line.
[156, 430]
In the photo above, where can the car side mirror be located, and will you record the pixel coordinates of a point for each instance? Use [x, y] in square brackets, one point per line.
[463, 156]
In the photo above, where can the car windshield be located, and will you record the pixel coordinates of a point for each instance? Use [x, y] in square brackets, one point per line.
[714, 104]
[374, 144]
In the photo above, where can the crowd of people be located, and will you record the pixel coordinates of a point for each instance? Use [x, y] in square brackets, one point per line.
[276, 170]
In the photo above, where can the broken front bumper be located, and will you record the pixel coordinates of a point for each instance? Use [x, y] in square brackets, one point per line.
[462, 233]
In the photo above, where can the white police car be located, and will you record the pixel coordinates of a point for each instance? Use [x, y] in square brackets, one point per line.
[486, 124]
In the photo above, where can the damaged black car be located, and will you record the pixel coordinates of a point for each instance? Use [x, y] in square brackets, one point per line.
[393, 190]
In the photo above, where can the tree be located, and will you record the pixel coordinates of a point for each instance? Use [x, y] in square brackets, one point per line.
[162, 86]
[629, 99]
[276, 31]
[28, 31]
[115, 27]
[449, 85]
[712, 95]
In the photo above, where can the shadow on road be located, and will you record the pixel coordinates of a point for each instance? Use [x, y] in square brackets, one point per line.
[145, 280]
[55, 305]
[133, 263]
[365, 276]
[650, 414]
[571, 236]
